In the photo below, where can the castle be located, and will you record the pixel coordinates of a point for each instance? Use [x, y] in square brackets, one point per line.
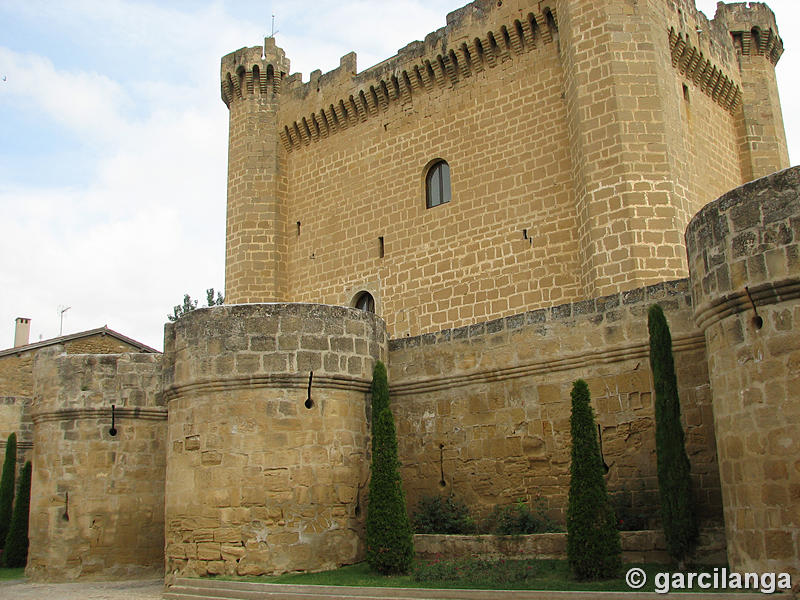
[490, 212]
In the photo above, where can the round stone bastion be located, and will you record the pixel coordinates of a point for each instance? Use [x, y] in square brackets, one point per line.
[744, 264]
[268, 455]
[97, 491]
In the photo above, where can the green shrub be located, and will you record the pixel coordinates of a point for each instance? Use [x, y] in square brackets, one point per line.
[519, 519]
[593, 544]
[7, 487]
[629, 519]
[674, 481]
[15, 553]
[442, 514]
[390, 542]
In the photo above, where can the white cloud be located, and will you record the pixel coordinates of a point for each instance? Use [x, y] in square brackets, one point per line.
[147, 227]
[87, 104]
[124, 271]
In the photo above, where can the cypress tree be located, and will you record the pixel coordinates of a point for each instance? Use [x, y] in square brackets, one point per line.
[15, 553]
[593, 544]
[674, 481]
[390, 544]
[7, 487]
[380, 389]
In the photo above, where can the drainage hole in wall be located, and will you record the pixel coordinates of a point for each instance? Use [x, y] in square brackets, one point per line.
[309, 403]
[758, 322]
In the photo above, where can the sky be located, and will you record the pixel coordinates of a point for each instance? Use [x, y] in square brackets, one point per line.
[113, 141]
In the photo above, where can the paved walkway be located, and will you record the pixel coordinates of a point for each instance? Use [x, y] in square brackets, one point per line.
[152, 589]
[20, 589]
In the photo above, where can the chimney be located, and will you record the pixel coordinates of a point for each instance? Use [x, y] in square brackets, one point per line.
[22, 333]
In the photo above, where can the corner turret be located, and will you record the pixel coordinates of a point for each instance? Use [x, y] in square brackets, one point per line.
[255, 241]
[753, 29]
[253, 71]
[762, 139]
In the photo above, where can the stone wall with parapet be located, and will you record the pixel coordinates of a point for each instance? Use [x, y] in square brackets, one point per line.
[97, 495]
[268, 437]
[483, 411]
[646, 546]
[744, 256]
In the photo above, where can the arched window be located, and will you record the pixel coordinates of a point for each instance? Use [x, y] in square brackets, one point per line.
[437, 184]
[364, 301]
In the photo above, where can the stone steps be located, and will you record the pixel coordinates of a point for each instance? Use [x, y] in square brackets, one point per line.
[207, 589]
[211, 589]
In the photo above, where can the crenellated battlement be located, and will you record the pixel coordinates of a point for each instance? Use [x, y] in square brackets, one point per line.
[254, 71]
[477, 37]
[704, 50]
[701, 30]
[753, 28]
[467, 45]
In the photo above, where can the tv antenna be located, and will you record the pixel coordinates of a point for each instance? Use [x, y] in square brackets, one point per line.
[61, 315]
[272, 35]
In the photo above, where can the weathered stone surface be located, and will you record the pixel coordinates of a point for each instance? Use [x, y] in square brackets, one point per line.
[16, 381]
[752, 337]
[637, 546]
[97, 500]
[494, 426]
[276, 476]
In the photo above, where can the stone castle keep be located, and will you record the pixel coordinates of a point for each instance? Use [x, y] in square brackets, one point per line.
[490, 212]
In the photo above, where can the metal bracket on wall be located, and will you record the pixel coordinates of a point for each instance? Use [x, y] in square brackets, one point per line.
[309, 402]
[113, 431]
[757, 321]
[442, 482]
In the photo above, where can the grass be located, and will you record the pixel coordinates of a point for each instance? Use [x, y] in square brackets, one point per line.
[12, 573]
[474, 574]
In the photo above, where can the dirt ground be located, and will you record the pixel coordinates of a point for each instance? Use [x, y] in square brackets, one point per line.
[20, 589]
